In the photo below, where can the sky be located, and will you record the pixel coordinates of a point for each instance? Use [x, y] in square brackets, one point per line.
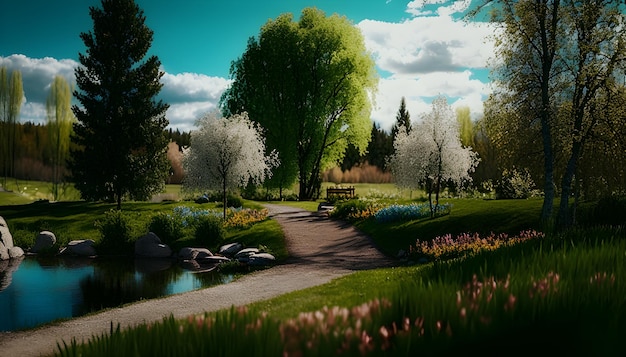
[422, 49]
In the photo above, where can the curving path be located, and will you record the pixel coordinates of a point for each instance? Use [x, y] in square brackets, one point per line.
[320, 250]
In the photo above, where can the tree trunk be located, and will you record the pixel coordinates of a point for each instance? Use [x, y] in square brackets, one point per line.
[564, 218]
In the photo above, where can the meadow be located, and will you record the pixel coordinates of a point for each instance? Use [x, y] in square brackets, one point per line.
[458, 288]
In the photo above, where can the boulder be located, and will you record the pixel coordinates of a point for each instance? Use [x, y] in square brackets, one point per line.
[261, 259]
[16, 252]
[231, 249]
[215, 259]
[6, 240]
[45, 240]
[82, 247]
[188, 253]
[150, 246]
[246, 252]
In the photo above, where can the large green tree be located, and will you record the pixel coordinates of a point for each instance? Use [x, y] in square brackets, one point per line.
[11, 94]
[60, 118]
[309, 84]
[119, 134]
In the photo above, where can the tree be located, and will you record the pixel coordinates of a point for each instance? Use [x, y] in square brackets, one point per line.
[60, 118]
[11, 94]
[308, 83]
[558, 62]
[594, 54]
[226, 154]
[403, 119]
[120, 130]
[432, 154]
[466, 127]
[528, 48]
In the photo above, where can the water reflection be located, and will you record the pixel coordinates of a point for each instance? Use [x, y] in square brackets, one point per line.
[39, 290]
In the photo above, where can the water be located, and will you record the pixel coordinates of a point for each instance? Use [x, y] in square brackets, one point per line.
[35, 291]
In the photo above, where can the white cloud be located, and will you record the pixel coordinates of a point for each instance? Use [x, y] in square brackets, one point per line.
[190, 95]
[426, 56]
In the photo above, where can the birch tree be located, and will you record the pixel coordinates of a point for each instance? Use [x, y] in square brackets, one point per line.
[432, 154]
[226, 154]
[60, 119]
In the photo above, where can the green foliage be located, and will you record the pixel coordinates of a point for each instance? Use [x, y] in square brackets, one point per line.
[288, 83]
[168, 227]
[126, 158]
[116, 231]
[515, 184]
[355, 209]
[209, 230]
[610, 210]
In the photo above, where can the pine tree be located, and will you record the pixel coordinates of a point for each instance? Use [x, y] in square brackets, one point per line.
[403, 119]
[120, 143]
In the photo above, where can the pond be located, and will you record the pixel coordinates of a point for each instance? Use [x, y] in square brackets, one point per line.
[34, 290]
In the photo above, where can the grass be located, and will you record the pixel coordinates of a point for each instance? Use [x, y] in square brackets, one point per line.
[467, 216]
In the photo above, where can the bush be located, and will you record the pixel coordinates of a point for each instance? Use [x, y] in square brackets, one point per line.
[115, 230]
[168, 227]
[209, 230]
[610, 210]
[515, 184]
[394, 213]
[354, 209]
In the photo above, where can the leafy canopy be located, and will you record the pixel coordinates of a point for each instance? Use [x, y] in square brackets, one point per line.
[309, 84]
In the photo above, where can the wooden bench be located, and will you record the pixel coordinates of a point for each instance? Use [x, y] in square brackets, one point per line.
[342, 192]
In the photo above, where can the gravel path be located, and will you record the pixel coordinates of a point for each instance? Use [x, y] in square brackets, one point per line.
[320, 250]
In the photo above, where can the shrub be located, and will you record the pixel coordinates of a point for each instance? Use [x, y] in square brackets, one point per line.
[610, 210]
[515, 184]
[355, 209]
[243, 218]
[209, 230]
[410, 212]
[168, 227]
[115, 230]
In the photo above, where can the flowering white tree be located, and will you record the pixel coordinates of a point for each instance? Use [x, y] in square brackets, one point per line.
[432, 153]
[226, 153]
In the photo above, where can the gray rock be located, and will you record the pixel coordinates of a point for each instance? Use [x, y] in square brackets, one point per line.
[231, 249]
[4, 252]
[16, 252]
[45, 240]
[214, 259]
[82, 247]
[188, 253]
[246, 252]
[261, 259]
[150, 246]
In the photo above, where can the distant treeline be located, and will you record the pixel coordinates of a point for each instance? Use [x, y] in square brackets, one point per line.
[34, 157]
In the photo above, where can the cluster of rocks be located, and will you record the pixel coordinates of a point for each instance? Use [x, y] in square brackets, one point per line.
[150, 246]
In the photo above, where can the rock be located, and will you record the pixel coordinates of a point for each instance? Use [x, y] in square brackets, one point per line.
[202, 199]
[261, 259]
[7, 267]
[45, 240]
[231, 249]
[214, 259]
[150, 246]
[16, 252]
[188, 253]
[4, 252]
[82, 247]
[246, 252]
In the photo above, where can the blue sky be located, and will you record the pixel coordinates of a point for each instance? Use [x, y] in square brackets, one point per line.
[421, 48]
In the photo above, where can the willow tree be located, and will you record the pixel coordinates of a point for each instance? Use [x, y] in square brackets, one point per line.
[11, 94]
[309, 84]
[60, 118]
[121, 147]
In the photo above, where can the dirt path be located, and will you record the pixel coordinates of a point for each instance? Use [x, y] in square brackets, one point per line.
[320, 250]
